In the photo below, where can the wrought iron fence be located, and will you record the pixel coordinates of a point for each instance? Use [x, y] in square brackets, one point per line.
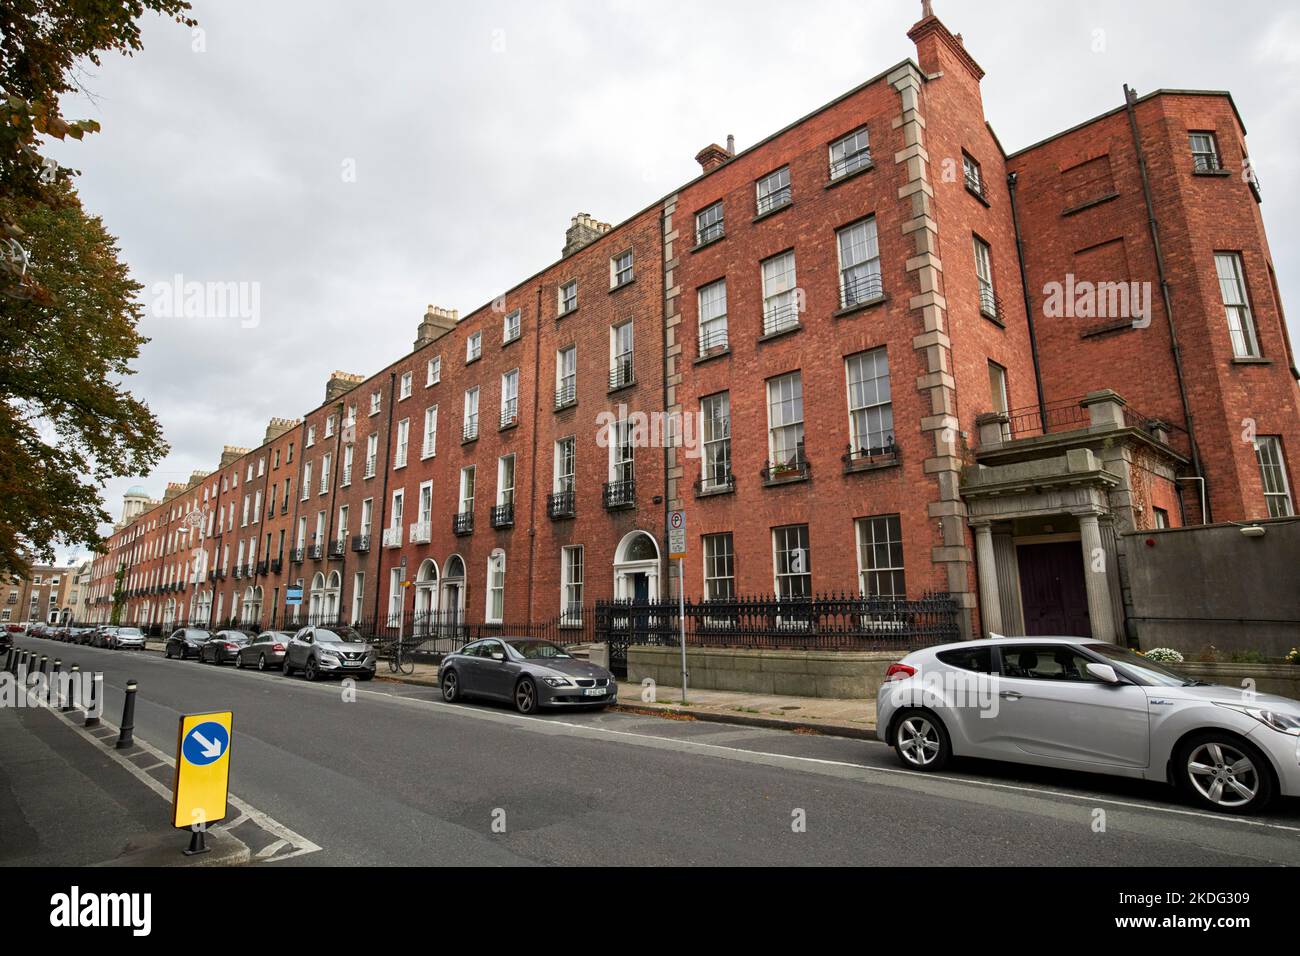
[822, 622]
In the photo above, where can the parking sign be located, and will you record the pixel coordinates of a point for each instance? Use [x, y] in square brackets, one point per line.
[677, 534]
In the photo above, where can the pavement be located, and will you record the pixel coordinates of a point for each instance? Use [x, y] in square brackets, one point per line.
[69, 798]
[386, 773]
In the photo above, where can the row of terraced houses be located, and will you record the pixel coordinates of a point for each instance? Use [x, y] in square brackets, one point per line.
[874, 354]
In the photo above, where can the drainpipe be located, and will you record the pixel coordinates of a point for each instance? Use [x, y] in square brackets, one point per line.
[1130, 103]
[383, 497]
[1012, 179]
[532, 465]
[335, 469]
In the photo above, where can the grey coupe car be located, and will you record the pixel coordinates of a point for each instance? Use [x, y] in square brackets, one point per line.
[527, 672]
[264, 651]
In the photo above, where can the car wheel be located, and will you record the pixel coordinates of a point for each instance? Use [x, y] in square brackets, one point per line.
[526, 696]
[167, 652]
[261, 662]
[286, 669]
[450, 687]
[239, 662]
[920, 740]
[310, 670]
[1223, 773]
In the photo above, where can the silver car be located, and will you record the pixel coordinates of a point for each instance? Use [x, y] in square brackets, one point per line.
[126, 638]
[1080, 704]
[527, 672]
[324, 651]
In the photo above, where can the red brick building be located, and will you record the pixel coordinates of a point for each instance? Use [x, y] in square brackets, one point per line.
[872, 353]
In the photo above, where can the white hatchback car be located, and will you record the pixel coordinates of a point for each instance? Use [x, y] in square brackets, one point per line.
[1080, 704]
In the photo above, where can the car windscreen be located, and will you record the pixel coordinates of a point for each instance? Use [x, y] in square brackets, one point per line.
[344, 635]
[127, 631]
[1139, 668]
[533, 650]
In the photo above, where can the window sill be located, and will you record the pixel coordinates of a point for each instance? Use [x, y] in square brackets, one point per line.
[565, 314]
[728, 489]
[1089, 204]
[476, 358]
[1211, 172]
[773, 211]
[469, 441]
[831, 184]
[706, 243]
[1110, 328]
[1251, 360]
[980, 196]
[789, 329]
[993, 318]
[511, 341]
[509, 426]
[712, 354]
[432, 454]
[622, 285]
[860, 306]
[792, 479]
[622, 388]
[566, 406]
[854, 467]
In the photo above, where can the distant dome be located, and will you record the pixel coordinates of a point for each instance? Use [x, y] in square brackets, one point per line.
[136, 491]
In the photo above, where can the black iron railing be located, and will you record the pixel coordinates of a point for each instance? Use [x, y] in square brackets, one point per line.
[297, 555]
[792, 469]
[315, 552]
[715, 482]
[566, 394]
[990, 303]
[622, 374]
[714, 230]
[462, 523]
[850, 163]
[975, 183]
[619, 494]
[510, 414]
[263, 566]
[338, 548]
[822, 622]
[1206, 163]
[778, 318]
[277, 564]
[561, 504]
[503, 516]
[773, 200]
[361, 542]
[469, 431]
[863, 456]
[864, 288]
[714, 339]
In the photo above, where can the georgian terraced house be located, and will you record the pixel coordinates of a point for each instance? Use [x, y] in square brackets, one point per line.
[901, 360]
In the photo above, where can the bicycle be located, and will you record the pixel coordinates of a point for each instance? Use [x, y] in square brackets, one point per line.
[399, 661]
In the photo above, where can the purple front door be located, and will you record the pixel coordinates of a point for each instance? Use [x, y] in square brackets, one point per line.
[1052, 590]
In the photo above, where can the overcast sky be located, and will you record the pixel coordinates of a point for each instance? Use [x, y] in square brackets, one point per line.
[358, 161]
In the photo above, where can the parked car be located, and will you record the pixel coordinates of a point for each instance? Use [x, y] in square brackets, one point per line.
[264, 651]
[102, 636]
[80, 635]
[223, 647]
[325, 651]
[1081, 704]
[527, 672]
[127, 638]
[6, 638]
[186, 642]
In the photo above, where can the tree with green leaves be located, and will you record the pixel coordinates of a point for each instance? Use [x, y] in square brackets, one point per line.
[69, 309]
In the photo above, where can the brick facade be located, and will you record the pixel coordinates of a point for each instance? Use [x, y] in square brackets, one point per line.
[944, 310]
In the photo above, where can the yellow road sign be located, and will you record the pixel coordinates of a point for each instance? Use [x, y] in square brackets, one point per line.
[202, 778]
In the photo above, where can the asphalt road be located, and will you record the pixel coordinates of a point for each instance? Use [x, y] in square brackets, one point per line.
[397, 777]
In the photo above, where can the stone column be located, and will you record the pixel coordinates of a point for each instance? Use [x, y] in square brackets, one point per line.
[987, 572]
[1095, 578]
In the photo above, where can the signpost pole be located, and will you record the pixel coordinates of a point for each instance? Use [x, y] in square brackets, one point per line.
[681, 618]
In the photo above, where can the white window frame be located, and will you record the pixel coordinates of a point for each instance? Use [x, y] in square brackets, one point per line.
[773, 191]
[715, 433]
[870, 402]
[867, 534]
[850, 153]
[433, 371]
[711, 317]
[1273, 476]
[858, 247]
[780, 292]
[511, 326]
[404, 386]
[1236, 304]
[621, 272]
[567, 296]
[566, 376]
[571, 583]
[709, 227]
[789, 421]
[494, 604]
[474, 347]
[469, 421]
[403, 443]
[429, 448]
[984, 277]
[510, 398]
[781, 545]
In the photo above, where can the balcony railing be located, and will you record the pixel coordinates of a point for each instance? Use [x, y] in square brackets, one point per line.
[975, 184]
[566, 395]
[990, 303]
[421, 532]
[239, 571]
[393, 537]
[796, 468]
[263, 566]
[619, 494]
[715, 483]
[469, 432]
[714, 339]
[315, 551]
[774, 200]
[370, 468]
[277, 565]
[503, 516]
[338, 547]
[297, 555]
[510, 413]
[1207, 163]
[861, 456]
[850, 163]
[865, 288]
[778, 318]
[714, 230]
[462, 523]
[622, 374]
[560, 505]
[361, 543]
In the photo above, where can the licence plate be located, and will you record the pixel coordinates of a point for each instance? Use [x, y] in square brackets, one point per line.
[596, 691]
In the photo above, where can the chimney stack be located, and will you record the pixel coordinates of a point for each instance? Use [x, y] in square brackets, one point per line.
[341, 383]
[713, 155]
[231, 453]
[582, 232]
[437, 322]
[278, 426]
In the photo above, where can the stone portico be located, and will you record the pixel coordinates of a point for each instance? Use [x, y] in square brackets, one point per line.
[1047, 502]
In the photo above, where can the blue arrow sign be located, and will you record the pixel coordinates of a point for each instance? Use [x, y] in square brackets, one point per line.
[205, 744]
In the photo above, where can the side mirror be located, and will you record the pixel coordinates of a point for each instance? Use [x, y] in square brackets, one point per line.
[498, 656]
[1104, 673]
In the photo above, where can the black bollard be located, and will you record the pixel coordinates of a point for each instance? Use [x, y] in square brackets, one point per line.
[125, 737]
[45, 665]
[71, 689]
[198, 842]
[9, 659]
[96, 700]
